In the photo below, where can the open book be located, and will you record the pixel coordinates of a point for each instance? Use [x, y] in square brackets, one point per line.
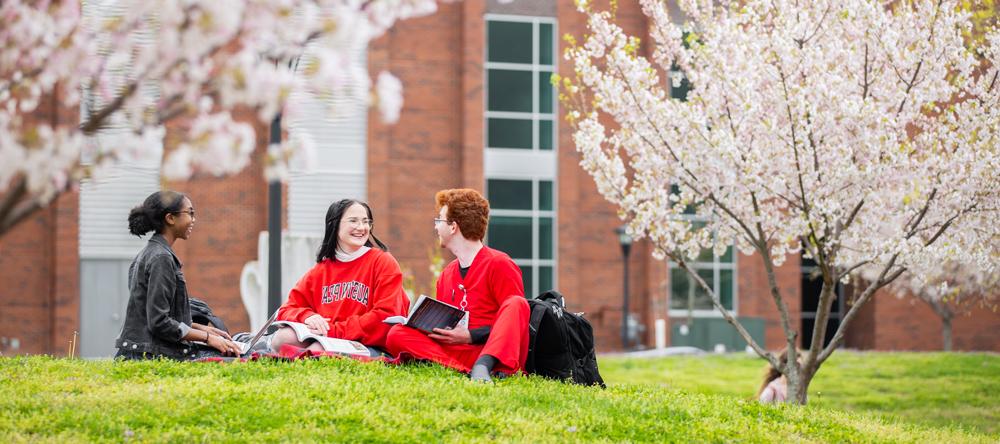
[329, 344]
[428, 313]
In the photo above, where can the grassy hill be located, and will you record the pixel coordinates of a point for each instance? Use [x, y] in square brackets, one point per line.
[45, 399]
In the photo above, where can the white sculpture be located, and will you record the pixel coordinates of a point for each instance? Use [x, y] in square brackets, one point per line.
[298, 255]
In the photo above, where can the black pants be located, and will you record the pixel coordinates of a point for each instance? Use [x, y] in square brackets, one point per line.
[199, 352]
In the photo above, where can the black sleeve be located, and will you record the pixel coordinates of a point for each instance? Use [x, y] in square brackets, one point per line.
[160, 293]
[480, 335]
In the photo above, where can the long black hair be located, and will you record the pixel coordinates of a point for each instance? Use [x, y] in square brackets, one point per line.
[150, 215]
[328, 250]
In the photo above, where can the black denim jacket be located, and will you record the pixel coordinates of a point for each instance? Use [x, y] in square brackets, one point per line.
[157, 304]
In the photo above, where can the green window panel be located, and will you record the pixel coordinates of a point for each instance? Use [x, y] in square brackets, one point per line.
[545, 135]
[512, 235]
[509, 90]
[508, 133]
[544, 279]
[509, 194]
[545, 237]
[545, 44]
[726, 288]
[545, 195]
[526, 279]
[509, 42]
[545, 92]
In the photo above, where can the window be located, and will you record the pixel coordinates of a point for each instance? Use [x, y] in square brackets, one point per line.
[520, 102]
[719, 272]
[522, 224]
[520, 154]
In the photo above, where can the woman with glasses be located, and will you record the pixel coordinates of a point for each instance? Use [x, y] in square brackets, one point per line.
[158, 318]
[352, 288]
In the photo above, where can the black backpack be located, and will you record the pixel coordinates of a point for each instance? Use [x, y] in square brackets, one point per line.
[202, 314]
[561, 344]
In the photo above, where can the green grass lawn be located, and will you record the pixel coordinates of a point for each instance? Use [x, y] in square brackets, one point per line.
[60, 400]
[935, 389]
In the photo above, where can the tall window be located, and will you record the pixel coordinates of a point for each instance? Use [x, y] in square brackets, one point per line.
[520, 141]
[719, 272]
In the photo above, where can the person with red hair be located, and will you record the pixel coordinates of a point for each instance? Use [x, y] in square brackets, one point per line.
[483, 281]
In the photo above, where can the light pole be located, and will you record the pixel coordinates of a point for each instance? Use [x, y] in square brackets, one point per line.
[274, 229]
[274, 217]
[626, 242]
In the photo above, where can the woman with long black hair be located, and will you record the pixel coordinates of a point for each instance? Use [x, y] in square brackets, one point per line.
[352, 288]
[158, 318]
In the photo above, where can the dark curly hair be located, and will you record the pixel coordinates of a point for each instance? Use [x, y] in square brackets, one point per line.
[467, 208]
[150, 215]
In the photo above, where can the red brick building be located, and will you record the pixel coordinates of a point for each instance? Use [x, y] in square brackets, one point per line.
[478, 112]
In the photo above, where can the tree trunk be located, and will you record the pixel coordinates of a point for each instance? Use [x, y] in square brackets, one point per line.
[798, 386]
[946, 332]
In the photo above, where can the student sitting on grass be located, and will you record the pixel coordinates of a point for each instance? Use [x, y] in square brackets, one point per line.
[352, 288]
[483, 281]
[774, 388]
[158, 318]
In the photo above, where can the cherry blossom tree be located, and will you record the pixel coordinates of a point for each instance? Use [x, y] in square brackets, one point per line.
[859, 133]
[141, 64]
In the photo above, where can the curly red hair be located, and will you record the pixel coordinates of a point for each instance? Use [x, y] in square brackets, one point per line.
[467, 208]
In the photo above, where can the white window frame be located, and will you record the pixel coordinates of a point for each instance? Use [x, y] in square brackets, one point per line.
[534, 165]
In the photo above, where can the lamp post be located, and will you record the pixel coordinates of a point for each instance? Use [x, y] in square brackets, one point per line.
[274, 230]
[274, 217]
[626, 242]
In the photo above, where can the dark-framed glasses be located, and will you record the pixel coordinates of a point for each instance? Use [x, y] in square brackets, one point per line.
[190, 211]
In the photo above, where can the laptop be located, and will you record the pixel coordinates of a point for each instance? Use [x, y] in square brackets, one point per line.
[245, 347]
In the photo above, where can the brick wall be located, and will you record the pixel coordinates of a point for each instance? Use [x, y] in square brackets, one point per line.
[910, 324]
[39, 269]
[231, 212]
[426, 150]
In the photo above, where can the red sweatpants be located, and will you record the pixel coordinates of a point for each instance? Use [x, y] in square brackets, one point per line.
[508, 342]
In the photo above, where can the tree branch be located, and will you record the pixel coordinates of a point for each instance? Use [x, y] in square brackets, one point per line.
[725, 313]
[17, 210]
[883, 279]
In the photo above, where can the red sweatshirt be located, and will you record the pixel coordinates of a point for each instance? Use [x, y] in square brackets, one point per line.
[492, 278]
[356, 296]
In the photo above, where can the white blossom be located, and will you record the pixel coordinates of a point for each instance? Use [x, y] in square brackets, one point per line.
[389, 96]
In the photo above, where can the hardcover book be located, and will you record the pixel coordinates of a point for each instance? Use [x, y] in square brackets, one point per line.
[429, 313]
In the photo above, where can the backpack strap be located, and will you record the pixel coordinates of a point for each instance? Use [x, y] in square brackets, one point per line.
[534, 322]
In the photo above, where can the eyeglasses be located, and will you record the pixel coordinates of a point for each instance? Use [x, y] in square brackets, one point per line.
[436, 220]
[355, 222]
[191, 212]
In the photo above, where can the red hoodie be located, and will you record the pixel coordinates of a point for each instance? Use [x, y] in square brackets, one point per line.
[356, 296]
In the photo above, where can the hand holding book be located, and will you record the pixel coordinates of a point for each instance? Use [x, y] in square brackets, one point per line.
[457, 335]
[428, 314]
